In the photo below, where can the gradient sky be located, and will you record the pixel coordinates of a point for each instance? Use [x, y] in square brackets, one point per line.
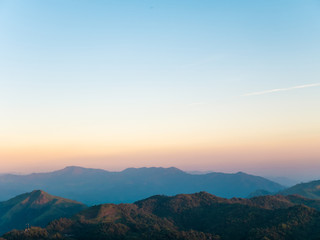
[201, 85]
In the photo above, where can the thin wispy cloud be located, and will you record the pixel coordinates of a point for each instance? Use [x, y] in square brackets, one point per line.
[282, 89]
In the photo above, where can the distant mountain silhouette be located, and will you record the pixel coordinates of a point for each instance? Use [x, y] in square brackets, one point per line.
[37, 208]
[94, 186]
[308, 190]
[199, 216]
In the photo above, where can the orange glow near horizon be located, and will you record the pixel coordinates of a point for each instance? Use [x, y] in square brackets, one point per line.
[219, 153]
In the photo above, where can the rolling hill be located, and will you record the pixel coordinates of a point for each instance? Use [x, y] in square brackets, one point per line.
[36, 208]
[96, 186]
[308, 190]
[199, 216]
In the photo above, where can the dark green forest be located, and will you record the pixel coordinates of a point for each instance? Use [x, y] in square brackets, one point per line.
[188, 216]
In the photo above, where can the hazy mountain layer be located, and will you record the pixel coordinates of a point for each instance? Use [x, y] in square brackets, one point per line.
[199, 216]
[95, 186]
[308, 190]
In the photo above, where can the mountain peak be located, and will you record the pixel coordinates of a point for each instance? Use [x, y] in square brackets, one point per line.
[76, 170]
[38, 197]
[38, 192]
[36, 208]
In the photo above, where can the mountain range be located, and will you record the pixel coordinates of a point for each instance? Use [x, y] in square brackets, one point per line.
[96, 186]
[199, 216]
[183, 216]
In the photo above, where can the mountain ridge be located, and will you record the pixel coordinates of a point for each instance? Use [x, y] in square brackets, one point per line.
[37, 208]
[95, 186]
[309, 189]
[198, 216]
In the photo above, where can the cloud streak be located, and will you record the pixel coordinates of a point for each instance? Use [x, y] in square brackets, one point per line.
[281, 89]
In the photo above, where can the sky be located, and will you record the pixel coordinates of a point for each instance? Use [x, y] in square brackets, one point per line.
[200, 85]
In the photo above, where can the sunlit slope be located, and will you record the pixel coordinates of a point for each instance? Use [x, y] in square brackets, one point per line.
[37, 208]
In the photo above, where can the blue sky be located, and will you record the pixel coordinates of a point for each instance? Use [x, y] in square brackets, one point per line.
[127, 73]
[237, 46]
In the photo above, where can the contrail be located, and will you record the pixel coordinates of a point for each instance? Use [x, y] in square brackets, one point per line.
[282, 89]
